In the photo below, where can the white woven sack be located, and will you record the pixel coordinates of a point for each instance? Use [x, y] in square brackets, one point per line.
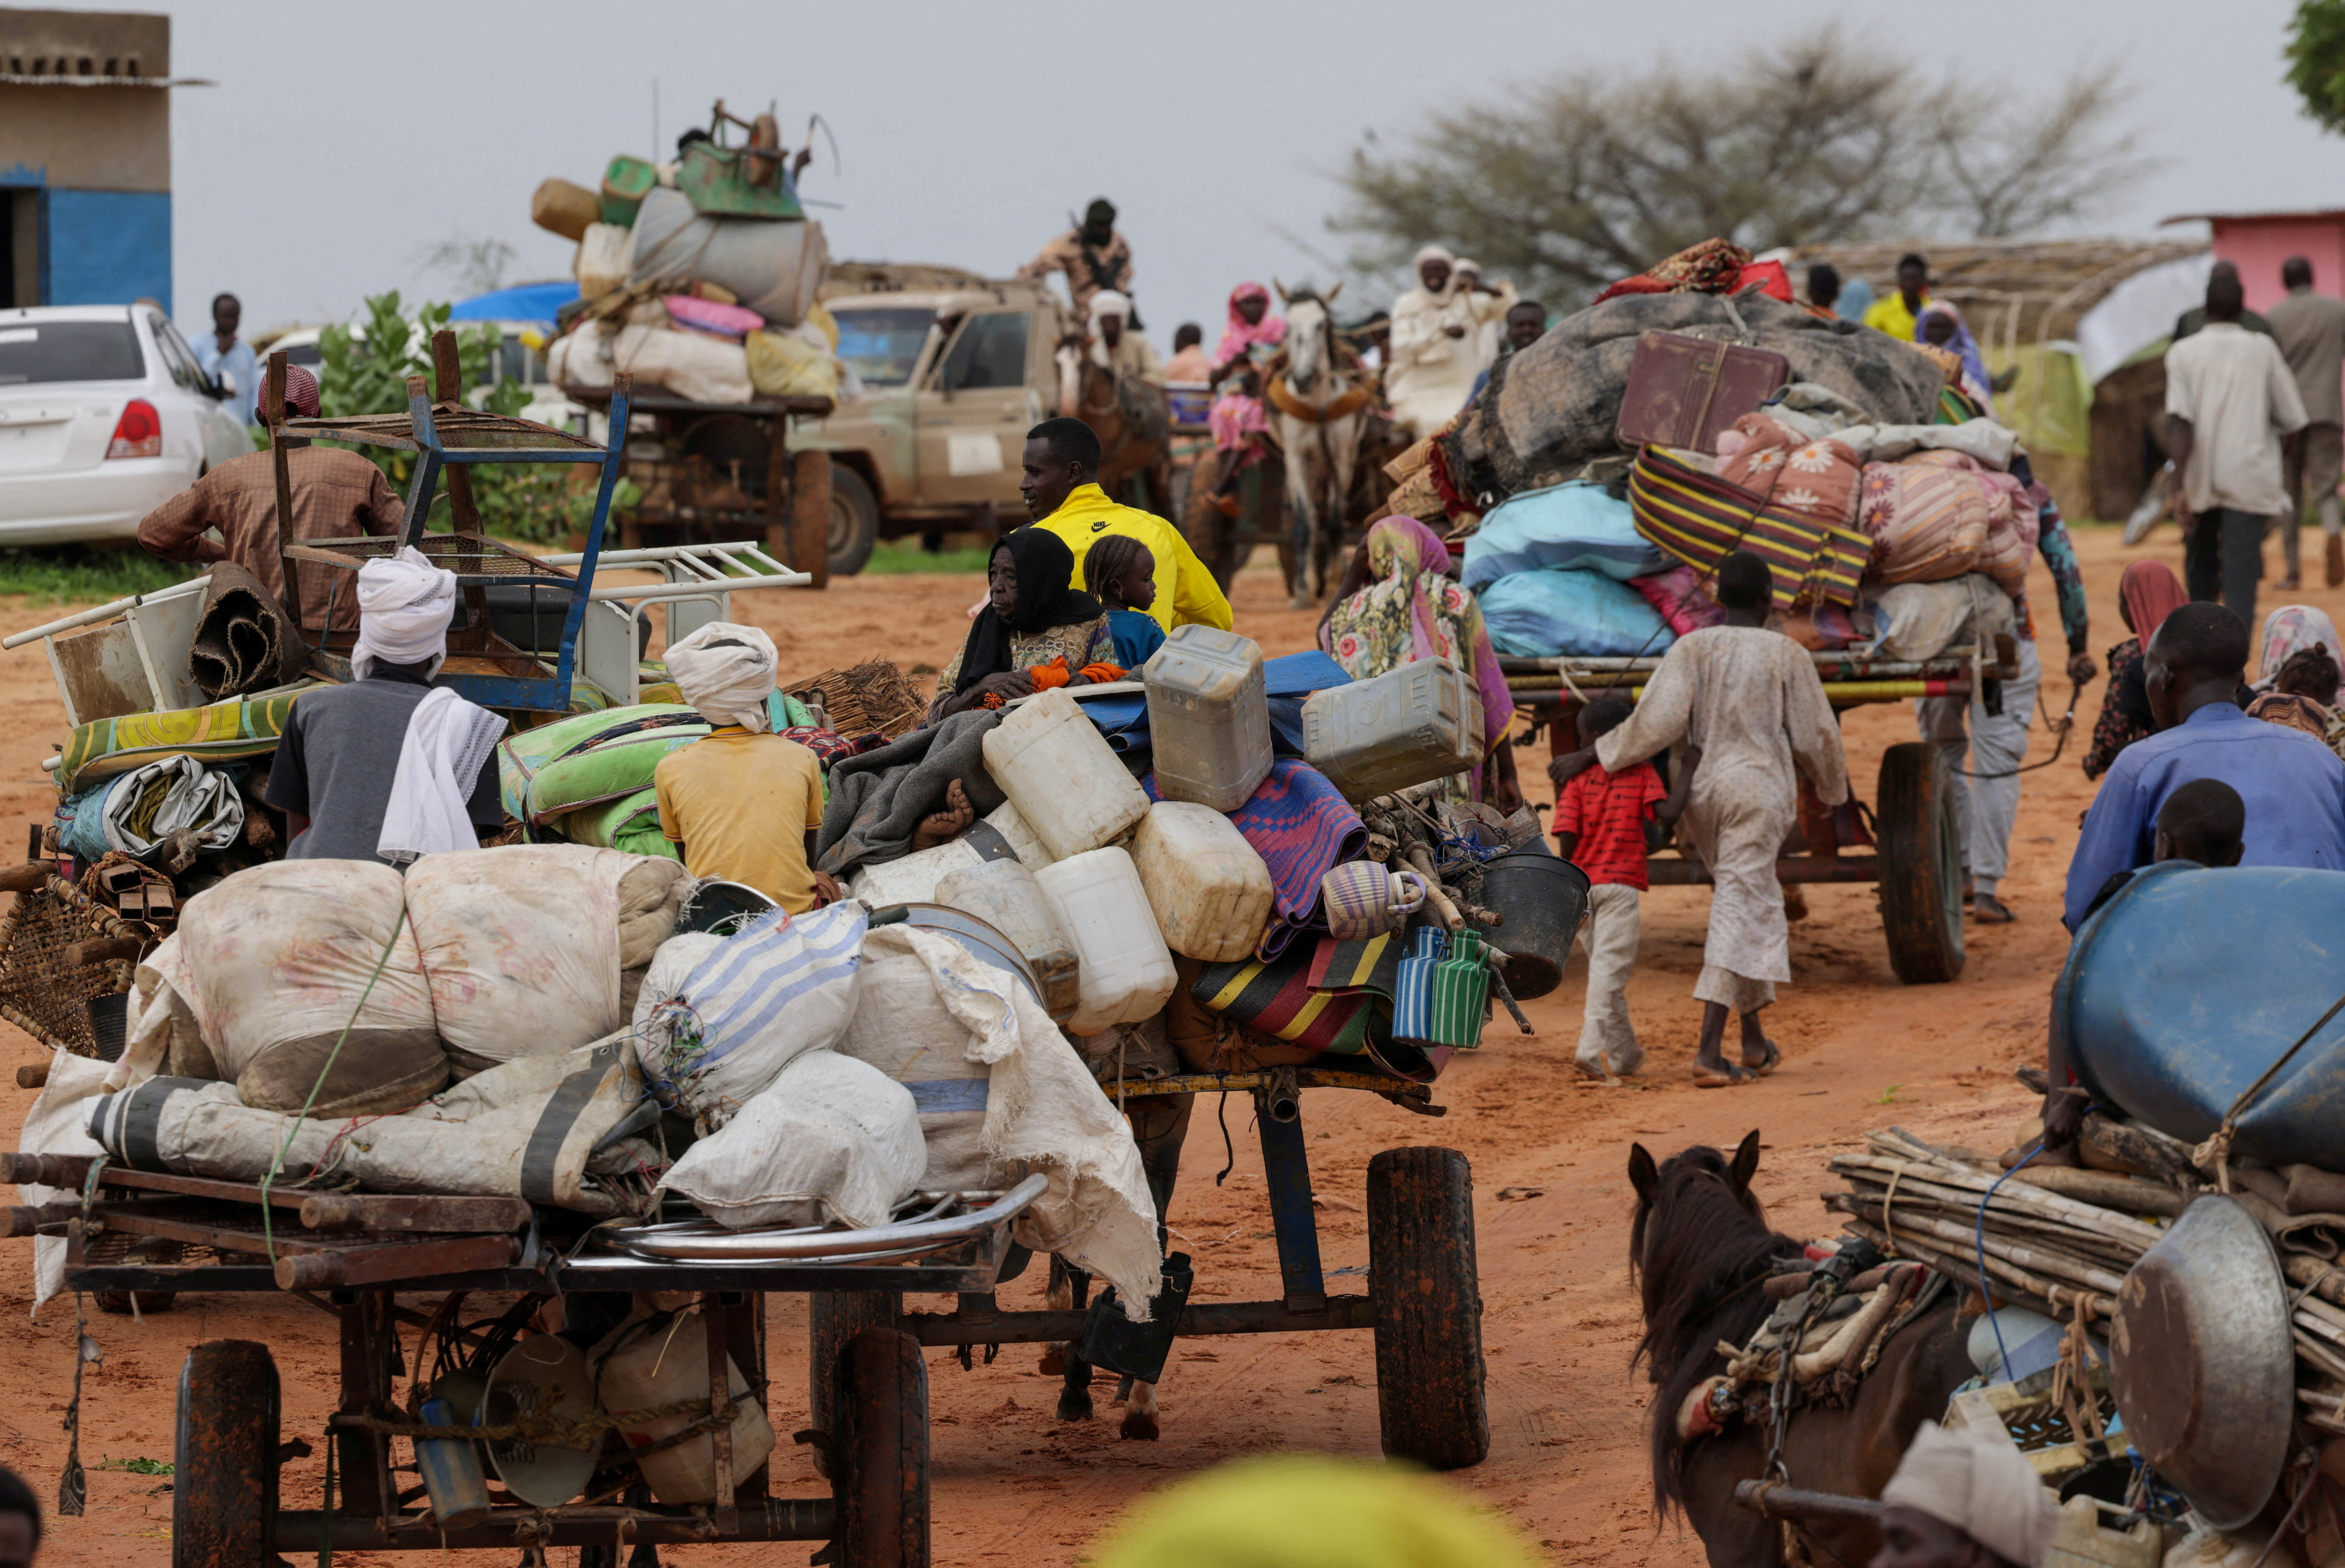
[830, 1138]
[720, 1017]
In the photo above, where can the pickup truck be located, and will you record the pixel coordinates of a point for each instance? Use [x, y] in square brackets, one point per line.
[954, 371]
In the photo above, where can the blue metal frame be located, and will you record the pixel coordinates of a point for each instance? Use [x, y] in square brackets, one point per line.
[536, 693]
[1286, 1168]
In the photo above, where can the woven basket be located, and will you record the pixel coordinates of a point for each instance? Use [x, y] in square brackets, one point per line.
[40, 993]
[874, 697]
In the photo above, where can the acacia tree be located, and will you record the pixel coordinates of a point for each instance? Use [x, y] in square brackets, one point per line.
[2316, 60]
[1569, 184]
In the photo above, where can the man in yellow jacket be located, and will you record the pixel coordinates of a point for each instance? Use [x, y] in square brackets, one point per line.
[1060, 484]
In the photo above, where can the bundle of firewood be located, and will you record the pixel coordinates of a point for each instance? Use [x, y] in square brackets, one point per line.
[872, 698]
[2059, 1239]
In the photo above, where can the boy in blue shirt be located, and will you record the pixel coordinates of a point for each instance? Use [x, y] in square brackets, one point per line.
[1120, 572]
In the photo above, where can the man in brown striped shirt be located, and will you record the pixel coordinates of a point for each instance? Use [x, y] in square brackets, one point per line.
[337, 494]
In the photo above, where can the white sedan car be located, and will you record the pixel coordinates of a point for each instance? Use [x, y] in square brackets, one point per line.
[104, 416]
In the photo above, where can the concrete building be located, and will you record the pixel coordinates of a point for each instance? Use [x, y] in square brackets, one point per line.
[85, 157]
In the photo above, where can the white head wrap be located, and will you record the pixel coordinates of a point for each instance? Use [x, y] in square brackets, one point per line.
[1467, 264]
[1433, 253]
[728, 672]
[1108, 302]
[405, 603]
[1979, 1483]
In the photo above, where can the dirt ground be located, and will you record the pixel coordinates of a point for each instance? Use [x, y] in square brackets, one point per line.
[1567, 1417]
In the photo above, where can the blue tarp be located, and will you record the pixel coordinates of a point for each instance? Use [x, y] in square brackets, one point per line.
[522, 302]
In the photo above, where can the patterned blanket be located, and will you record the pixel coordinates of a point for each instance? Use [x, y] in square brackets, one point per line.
[223, 731]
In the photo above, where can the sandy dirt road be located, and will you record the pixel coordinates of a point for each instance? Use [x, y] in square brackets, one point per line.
[1014, 1485]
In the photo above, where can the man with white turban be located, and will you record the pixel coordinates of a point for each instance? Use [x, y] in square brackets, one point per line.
[1436, 345]
[1964, 1499]
[1115, 346]
[741, 803]
[388, 767]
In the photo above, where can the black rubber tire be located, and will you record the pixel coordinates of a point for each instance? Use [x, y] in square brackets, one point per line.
[1428, 1303]
[833, 1320]
[854, 521]
[882, 1447]
[118, 1303]
[1921, 864]
[224, 1457]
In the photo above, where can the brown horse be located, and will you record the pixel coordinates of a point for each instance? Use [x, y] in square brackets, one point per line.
[1699, 1251]
[1130, 418]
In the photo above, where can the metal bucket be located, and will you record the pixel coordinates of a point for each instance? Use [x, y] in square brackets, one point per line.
[1540, 899]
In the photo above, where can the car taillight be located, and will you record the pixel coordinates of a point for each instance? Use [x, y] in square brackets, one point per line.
[139, 433]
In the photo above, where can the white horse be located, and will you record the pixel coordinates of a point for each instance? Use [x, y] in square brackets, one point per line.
[1318, 406]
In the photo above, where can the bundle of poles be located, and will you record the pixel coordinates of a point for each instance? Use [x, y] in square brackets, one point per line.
[2059, 1240]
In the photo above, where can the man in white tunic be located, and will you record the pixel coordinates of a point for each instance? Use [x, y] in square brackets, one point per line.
[1750, 699]
[1434, 346]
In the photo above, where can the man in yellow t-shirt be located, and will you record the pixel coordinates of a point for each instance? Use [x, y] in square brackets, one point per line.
[1896, 313]
[741, 803]
[1060, 484]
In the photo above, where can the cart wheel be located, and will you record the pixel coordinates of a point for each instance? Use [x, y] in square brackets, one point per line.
[118, 1302]
[1428, 1305]
[1921, 864]
[224, 1457]
[833, 1319]
[883, 1449]
[854, 521]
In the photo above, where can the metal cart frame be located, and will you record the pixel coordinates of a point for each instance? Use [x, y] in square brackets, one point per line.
[448, 439]
[1910, 825]
[362, 1250]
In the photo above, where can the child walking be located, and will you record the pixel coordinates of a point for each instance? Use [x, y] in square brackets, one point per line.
[1600, 826]
[1120, 572]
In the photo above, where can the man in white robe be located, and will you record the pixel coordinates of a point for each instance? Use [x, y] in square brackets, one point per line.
[1748, 699]
[1434, 346]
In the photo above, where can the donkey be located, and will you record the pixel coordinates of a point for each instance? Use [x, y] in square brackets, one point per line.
[1160, 1124]
[1130, 417]
[1317, 407]
[1699, 1251]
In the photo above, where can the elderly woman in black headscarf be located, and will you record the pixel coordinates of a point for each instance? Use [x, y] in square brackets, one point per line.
[1035, 630]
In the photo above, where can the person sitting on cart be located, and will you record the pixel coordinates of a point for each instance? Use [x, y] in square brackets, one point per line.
[741, 803]
[1060, 483]
[1750, 698]
[2293, 786]
[1122, 575]
[337, 494]
[388, 765]
[1964, 1499]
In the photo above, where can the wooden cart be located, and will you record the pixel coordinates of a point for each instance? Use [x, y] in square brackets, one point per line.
[1423, 1303]
[355, 1255]
[1915, 843]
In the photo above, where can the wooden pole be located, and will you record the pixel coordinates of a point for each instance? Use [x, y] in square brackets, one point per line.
[809, 525]
[448, 388]
[273, 414]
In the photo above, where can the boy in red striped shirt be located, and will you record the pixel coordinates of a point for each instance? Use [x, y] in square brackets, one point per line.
[1600, 826]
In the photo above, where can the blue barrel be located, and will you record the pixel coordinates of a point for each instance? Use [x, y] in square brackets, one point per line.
[2190, 982]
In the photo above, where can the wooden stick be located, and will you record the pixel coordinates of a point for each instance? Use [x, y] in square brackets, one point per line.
[2041, 1199]
[2106, 1189]
[2076, 1270]
[1968, 1200]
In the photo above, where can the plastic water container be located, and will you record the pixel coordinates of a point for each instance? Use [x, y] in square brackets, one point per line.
[1125, 968]
[999, 834]
[1208, 718]
[1211, 892]
[664, 1361]
[1406, 726]
[1062, 776]
[1005, 895]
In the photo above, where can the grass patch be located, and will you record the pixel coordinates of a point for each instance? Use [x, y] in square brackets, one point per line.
[137, 1466]
[896, 557]
[73, 573]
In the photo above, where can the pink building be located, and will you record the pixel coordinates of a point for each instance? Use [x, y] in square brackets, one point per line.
[2257, 242]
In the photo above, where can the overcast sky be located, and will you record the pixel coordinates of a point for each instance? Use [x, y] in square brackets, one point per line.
[344, 140]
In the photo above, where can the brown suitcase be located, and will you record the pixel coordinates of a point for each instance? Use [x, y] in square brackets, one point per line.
[1684, 391]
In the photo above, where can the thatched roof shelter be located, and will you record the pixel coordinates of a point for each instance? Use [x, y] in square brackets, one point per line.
[2010, 291]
